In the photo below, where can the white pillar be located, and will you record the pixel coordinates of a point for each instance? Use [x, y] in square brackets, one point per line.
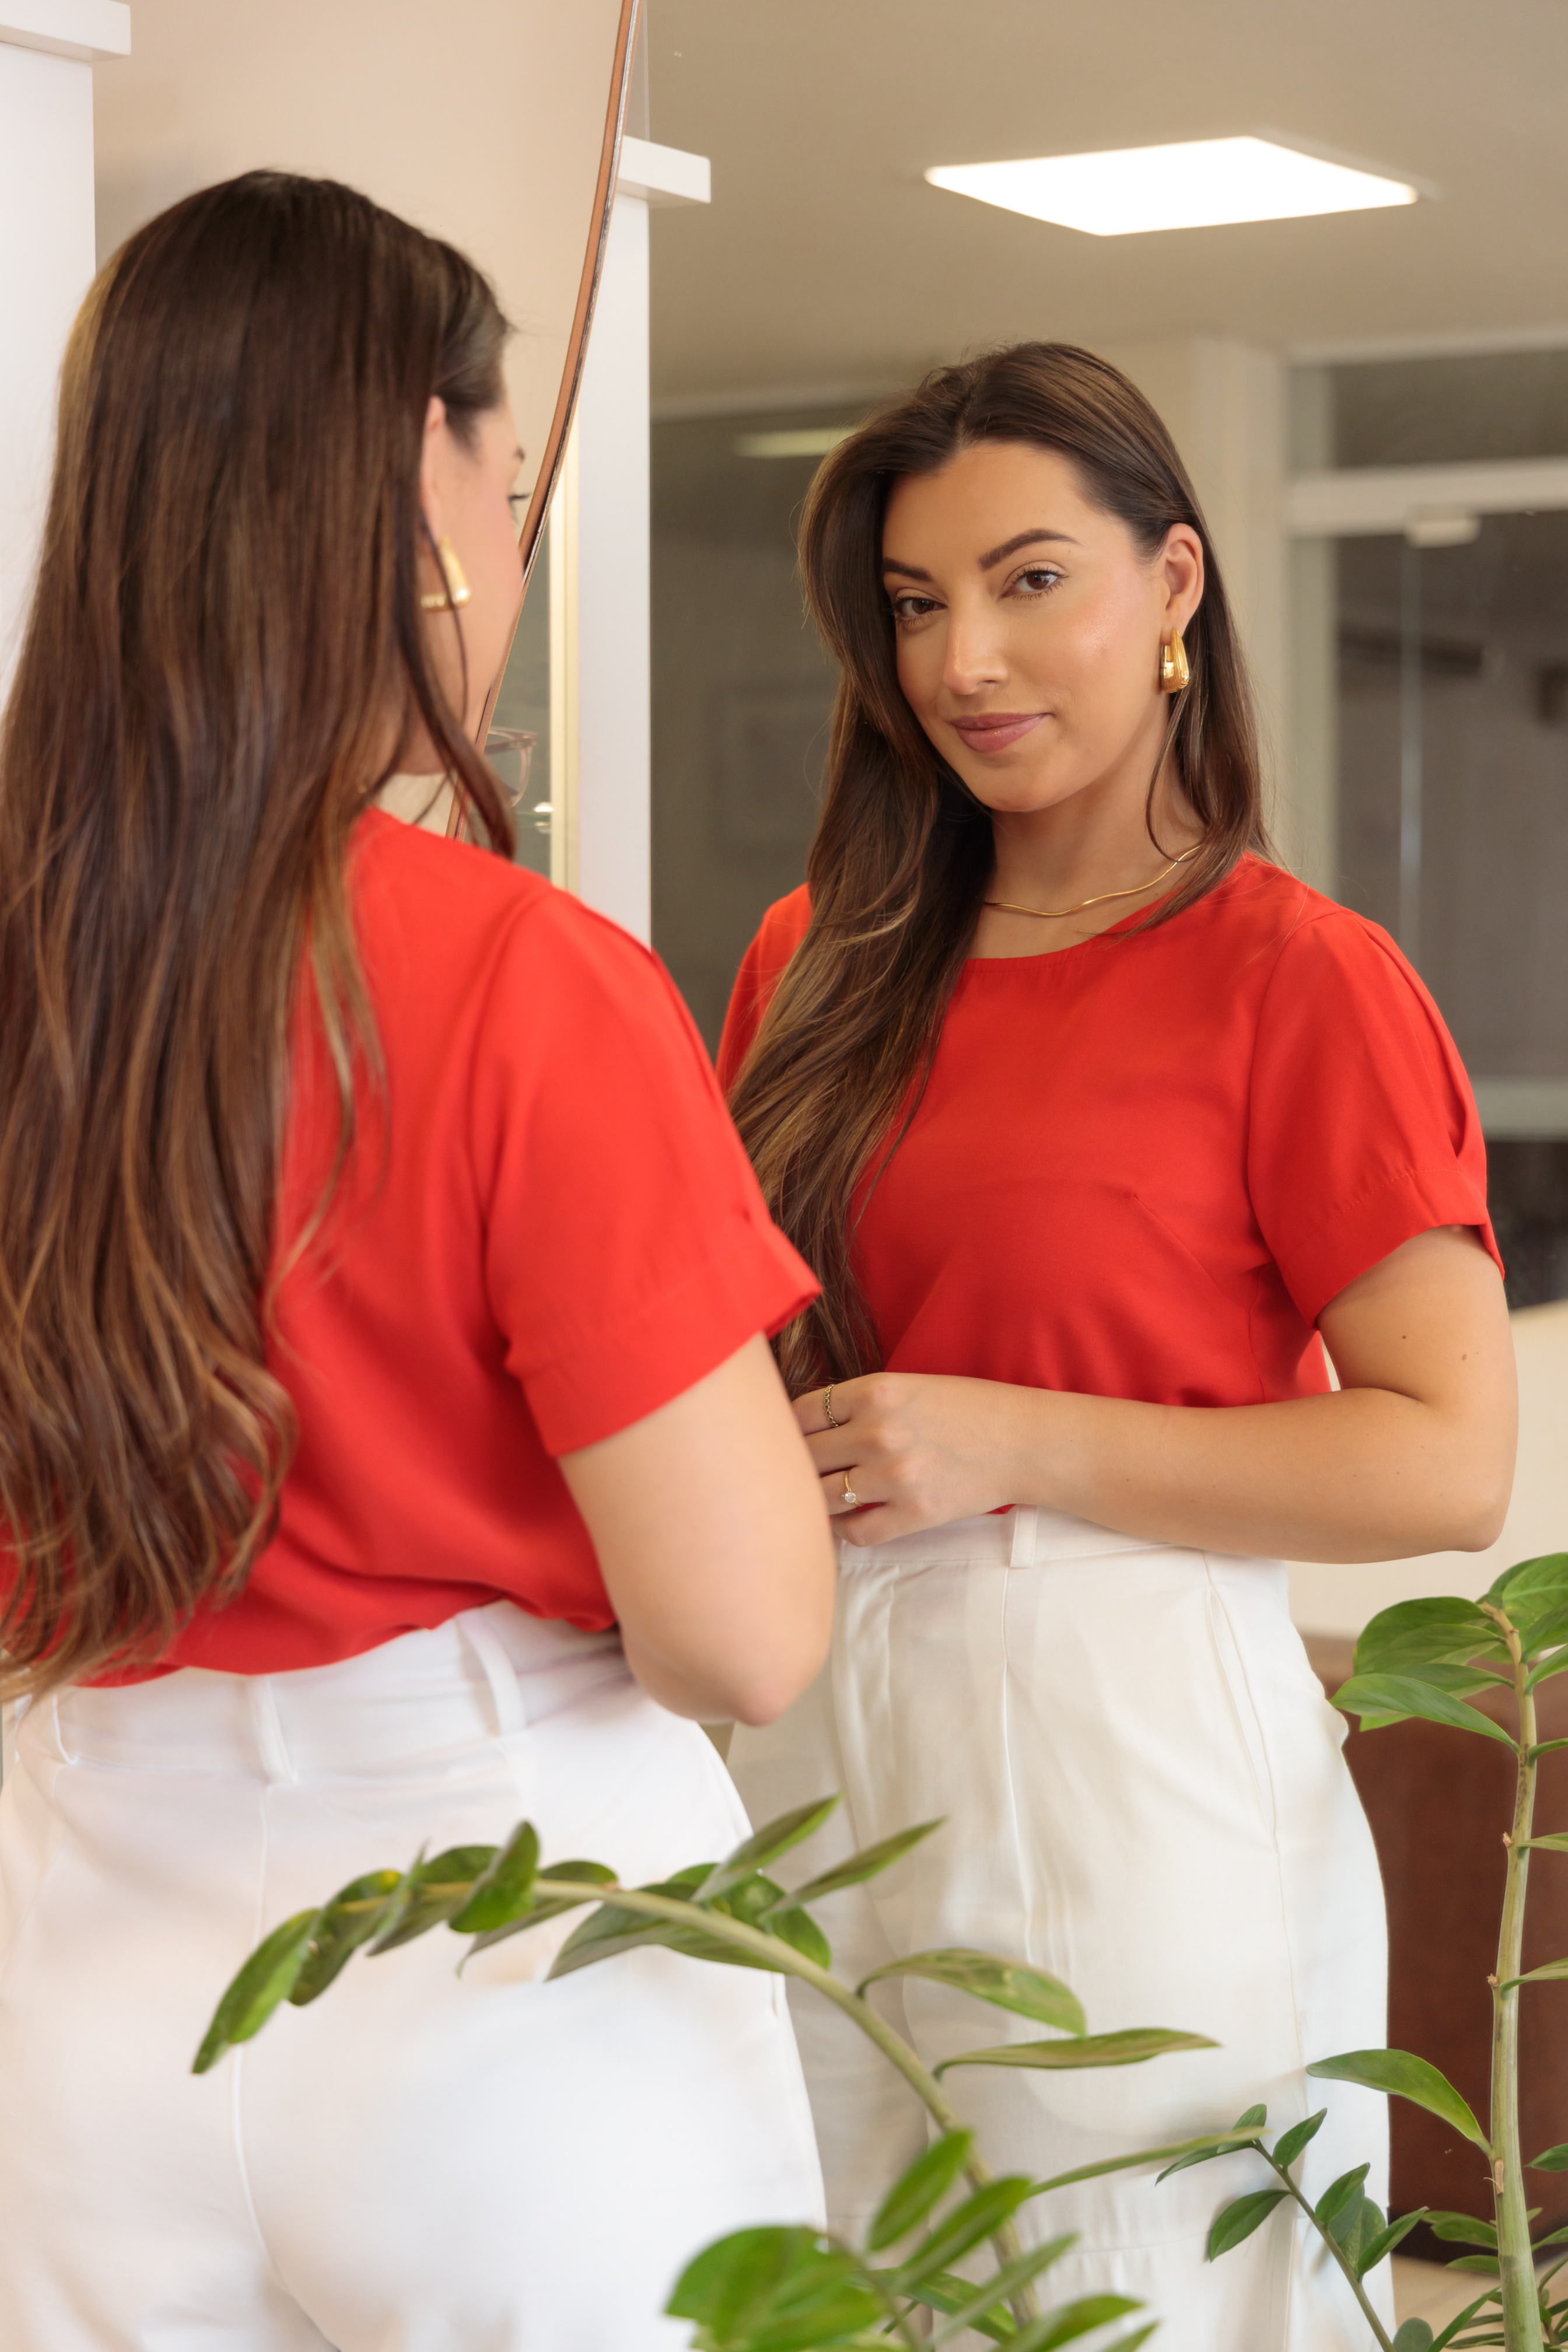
[47, 49]
[1224, 402]
[601, 767]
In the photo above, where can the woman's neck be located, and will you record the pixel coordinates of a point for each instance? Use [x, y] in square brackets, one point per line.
[1097, 847]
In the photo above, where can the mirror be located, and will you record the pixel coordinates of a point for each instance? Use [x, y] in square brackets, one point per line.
[496, 124]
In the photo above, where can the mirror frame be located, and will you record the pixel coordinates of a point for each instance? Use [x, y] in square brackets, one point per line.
[554, 448]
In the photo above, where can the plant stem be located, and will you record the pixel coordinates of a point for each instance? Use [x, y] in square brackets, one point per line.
[1516, 2264]
[1338, 2252]
[785, 1960]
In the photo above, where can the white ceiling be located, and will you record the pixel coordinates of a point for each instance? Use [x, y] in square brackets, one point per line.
[825, 261]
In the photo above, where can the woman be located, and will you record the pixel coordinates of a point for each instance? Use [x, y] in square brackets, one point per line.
[1100, 1129]
[382, 1302]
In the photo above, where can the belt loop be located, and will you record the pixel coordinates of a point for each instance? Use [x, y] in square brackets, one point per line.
[505, 1692]
[268, 1723]
[1025, 1524]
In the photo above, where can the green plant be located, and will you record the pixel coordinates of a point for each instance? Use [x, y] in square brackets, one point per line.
[785, 2289]
[1425, 1659]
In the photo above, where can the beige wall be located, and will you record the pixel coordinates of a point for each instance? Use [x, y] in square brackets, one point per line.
[481, 120]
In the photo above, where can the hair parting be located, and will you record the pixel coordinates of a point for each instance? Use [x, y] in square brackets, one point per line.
[904, 854]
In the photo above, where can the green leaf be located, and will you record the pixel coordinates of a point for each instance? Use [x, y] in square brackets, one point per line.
[1237, 2221]
[1074, 2319]
[765, 1845]
[991, 2298]
[267, 1979]
[1466, 2318]
[1554, 1841]
[1127, 2048]
[1357, 2225]
[864, 1864]
[945, 2291]
[1545, 1747]
[1403, 2076]
[356, 1913]
[1485, 2265]
[505, 1891]
[1555, 1662]
[613, 1930]
[1426, 1633]
[1385, 2240]
[776, 2290]
[924, 2184]
[1550, 1973]
[1462, 2230]
[1339, 2194]
[590, 1875]
[1391, 1698]
[1222, 2145]
[1415, 2335]
[1290, 2144]
[1197, 2150]
[977, 2217]
[800, 1931]
[1551, 2159]
[1005, 1984]
[1531, 1587]
[431, 1893]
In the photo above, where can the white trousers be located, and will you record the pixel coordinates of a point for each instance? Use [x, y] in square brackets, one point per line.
[418, 2162]
[1145, 1795]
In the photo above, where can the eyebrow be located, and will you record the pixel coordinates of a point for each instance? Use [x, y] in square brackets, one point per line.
[988, 562]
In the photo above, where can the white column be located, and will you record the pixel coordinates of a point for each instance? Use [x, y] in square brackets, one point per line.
[1224, 402]
[600, 771]
[47, 49]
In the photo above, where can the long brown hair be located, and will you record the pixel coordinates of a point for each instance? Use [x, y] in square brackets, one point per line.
[222, 660]
[903, 852]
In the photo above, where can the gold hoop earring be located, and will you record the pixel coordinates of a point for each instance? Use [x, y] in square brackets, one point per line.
[1174, 670]
[457, 590]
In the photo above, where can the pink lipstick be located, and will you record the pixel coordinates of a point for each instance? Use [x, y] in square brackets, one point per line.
[996, 730]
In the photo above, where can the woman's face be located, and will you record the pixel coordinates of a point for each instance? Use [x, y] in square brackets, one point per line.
[1029, 626]
[467, 492]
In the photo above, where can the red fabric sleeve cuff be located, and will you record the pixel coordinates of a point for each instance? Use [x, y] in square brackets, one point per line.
[668, 1343]
[1360, 1232]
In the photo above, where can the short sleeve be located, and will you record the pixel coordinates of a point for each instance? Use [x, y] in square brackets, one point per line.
[782, 928]
[627, 1248]
[1363, 1130]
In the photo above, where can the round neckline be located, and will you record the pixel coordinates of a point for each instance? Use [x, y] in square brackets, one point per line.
[1124, 923]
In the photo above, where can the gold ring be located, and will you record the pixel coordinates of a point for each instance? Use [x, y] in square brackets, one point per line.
[833, 1420]
[850, 1496]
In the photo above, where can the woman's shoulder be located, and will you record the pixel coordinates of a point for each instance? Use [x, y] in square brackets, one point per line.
[455, 921]
[779, 934]
[1262, 911]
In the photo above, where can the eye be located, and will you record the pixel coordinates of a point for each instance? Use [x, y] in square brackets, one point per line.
[516, 498]
[1036, 580]
[910, 608]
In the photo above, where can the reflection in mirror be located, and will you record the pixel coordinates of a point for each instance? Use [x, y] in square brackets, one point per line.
[518, 743]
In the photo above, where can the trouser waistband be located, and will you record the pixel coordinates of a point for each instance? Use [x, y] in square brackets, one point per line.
[402, 1708]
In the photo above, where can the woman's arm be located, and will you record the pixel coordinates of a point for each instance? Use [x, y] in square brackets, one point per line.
[1414, 1454]
[714, 1544]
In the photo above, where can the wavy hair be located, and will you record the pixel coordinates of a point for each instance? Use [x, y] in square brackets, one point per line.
[904, 854]
[222, 660]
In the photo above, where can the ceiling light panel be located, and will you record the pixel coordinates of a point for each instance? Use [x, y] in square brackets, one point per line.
[1199, 184]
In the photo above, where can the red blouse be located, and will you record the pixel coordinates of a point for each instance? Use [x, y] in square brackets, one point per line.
[1145, 1165]
[551, 1231]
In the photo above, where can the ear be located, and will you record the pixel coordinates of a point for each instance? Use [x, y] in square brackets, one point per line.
[433, 464]
[1181, 574]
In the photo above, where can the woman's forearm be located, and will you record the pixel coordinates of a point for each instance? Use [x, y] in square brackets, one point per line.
[1363, 1473]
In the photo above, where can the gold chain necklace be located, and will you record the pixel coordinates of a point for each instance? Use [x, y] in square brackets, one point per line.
[1054, 913]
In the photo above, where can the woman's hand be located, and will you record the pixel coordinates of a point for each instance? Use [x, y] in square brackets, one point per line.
[915, 1449]
[1412, 1454]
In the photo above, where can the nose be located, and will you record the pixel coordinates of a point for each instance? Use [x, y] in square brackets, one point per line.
[973, 655]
